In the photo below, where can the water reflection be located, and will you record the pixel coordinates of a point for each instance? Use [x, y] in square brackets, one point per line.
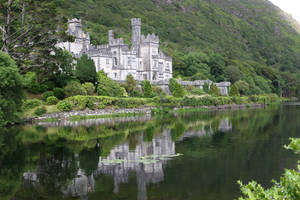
[128, 159]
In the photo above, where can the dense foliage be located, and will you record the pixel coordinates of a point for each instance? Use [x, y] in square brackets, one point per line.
[11, 90]
[108, 87]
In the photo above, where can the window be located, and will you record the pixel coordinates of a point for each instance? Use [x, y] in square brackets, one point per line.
[129, 61]
[115, 75]
[107, 61]
[115, 61]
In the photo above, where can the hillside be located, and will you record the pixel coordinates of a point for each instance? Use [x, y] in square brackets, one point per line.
[249, 34]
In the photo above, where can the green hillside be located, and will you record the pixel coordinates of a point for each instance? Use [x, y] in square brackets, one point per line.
[253, 37]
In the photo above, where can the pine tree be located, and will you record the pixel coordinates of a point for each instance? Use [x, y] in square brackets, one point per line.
[147, 89]
[86, 70]
[214, 90]
[234, 91]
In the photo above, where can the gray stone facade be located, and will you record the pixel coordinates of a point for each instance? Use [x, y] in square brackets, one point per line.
[144, 60]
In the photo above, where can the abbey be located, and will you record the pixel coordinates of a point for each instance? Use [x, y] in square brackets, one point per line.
[144, 60]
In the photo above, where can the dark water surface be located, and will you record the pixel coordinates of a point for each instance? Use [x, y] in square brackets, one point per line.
[187, 157]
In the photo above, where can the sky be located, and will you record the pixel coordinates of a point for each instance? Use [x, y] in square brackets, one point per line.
[290, 6]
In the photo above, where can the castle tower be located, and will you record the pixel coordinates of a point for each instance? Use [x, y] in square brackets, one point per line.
[111, 37]
[136, 33]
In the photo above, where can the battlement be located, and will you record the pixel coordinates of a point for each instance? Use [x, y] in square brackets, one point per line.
[74, 21]
[136, 22]
[150, 39]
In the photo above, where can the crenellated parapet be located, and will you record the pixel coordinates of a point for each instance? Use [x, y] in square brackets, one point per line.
[150, 38]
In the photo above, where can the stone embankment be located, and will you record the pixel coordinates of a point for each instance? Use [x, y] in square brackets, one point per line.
[64, 118]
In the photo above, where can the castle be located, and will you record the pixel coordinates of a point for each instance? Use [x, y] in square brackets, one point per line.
[144, 60]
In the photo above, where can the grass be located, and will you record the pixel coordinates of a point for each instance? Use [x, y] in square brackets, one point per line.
[78, 118]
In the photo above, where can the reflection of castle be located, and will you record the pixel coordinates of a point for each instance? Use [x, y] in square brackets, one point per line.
[122, 160]
[146, 173]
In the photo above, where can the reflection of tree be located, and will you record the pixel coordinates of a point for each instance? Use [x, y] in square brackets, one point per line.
[88, 160]
[177, 131]
[12, 161]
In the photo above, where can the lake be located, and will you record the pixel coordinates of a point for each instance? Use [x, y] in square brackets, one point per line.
[176, 157]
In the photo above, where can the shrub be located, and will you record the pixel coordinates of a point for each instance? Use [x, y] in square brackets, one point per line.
[214, 90]
[89, 87]
[147, 89]
[197, 91]
[50, 85]
[31, 103]
[52, 100]
[59, 93]
[234, 91]
[158, 91]
[74, 88]
[34, 88]
[64, 106]
[242, 86]
[47, 94]
[40, 111]
[108, 87]
[11, 90]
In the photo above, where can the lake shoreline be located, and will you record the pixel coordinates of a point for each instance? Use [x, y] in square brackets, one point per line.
[109, 114]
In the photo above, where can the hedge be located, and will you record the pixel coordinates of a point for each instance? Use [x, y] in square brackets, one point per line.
[100, 102]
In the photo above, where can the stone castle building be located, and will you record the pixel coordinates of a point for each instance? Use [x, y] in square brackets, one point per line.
[144, 60]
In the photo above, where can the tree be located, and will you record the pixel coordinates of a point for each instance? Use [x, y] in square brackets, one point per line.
[196, 62]
[11, 91]
[131, 86]
[176, 88]
[233, 73]
[242, 86]
[30, 30]
[214, 90]
[217, 67]
[108, 87]
[86, 70]
[206, 87]
[147, 89]
[234, 91]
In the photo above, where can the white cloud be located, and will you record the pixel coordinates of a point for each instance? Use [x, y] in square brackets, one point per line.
[290, 6]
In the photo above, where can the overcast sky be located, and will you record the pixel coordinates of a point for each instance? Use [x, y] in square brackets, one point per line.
[290, 6]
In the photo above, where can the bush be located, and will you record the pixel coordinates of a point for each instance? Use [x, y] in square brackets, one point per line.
[31, 103]
[89, 87]
[74, 88]
[108, 87]
[158, 91]
[50, 85]
[11, 91]
[34, 88]
[64, 106]
[40, 111]
[47, 94]
[197, 91]
[131, 86]
[52, 100]
[59, 93]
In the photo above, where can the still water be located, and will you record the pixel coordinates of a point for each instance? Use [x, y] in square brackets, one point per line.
[183, 157]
